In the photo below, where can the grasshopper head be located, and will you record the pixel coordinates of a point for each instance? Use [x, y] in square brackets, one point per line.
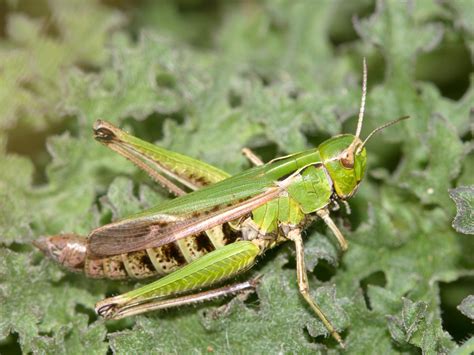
[345, 159]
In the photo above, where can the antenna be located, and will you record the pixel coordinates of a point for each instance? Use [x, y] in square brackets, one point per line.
[379, 129]
[362, 101]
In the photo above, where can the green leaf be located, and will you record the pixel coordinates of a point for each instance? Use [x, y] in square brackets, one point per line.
[411, 326]
[466, 349]
[30, 89]
[403, 327]
[463, 197]
[467, 307]
[15, 178]
[207, 79]
[31, 307]
[430, 184]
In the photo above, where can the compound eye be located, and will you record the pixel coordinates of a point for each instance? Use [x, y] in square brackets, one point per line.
[347, 160]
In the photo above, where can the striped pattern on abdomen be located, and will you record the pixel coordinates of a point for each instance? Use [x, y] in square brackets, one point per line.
[155, 262]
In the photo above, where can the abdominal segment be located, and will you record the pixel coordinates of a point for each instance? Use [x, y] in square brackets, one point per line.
[70, 250]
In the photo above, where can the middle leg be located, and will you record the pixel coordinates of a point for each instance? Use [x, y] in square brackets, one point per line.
[303, 284]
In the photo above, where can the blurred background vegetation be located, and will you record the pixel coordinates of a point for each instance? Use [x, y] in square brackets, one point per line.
[206, 78]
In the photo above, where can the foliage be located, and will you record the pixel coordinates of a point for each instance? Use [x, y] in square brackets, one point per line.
[207, 79]
[463, 196]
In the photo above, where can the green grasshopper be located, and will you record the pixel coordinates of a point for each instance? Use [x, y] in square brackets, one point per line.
[218, 230]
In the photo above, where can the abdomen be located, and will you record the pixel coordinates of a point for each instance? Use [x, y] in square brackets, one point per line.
[70, 250]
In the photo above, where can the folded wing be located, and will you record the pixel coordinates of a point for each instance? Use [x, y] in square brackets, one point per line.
[159, 229]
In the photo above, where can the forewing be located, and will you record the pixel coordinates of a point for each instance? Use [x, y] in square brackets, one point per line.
[156, 230]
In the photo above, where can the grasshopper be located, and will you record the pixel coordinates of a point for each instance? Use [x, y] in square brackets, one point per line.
[220, 228]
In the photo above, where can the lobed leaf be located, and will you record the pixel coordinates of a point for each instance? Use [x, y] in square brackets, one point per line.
[463, 197]
[206, 80]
